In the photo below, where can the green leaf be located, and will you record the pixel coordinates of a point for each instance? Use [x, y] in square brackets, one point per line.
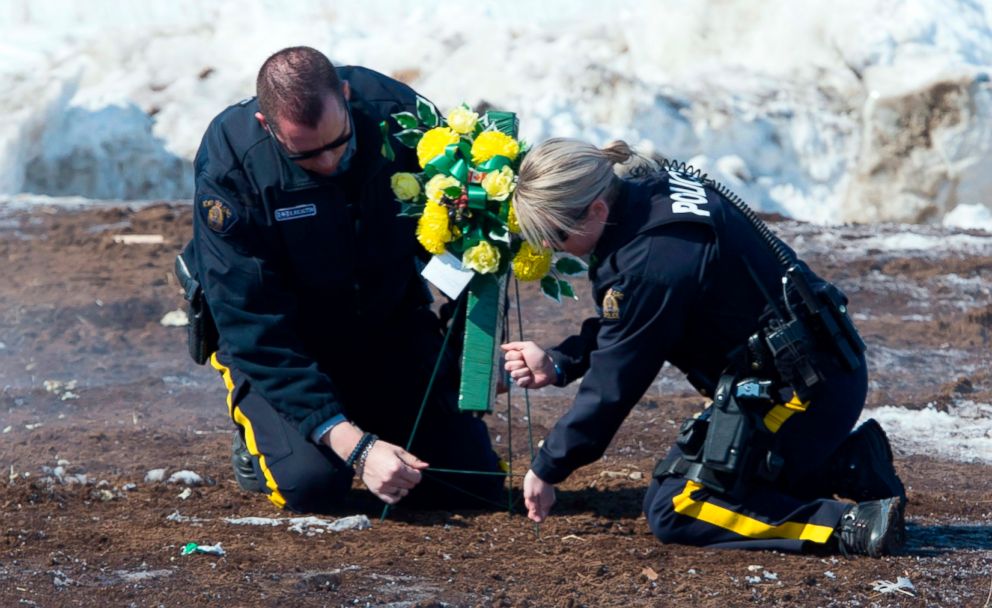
[551, 288]
[407, 120]
[569, 266]
[499, 233]
[428, 113]
[410, 210]
[453, 191]
[409, 137]
[566, 290]
[387, 151]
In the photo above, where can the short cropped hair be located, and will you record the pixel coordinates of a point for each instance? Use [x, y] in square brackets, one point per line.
[293, 83]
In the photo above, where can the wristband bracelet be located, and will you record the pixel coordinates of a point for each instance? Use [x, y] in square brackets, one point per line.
[366, 439]
[360, 464]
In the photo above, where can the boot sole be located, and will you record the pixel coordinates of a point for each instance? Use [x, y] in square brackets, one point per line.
[895, 538]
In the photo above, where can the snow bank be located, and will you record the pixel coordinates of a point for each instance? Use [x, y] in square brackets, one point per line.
[842, 111]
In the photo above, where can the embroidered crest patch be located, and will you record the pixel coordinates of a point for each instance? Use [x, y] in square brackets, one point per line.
[220, 217]
[611, 304]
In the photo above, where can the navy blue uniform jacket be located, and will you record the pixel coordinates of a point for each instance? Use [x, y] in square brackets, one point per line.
[298, 269]
[670, 278]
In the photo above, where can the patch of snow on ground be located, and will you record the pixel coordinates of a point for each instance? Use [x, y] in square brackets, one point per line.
[963, 432]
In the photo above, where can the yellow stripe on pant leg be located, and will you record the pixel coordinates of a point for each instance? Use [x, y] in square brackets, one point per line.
[225, 373]
[238, 416]
[276, 497]
[742, 524]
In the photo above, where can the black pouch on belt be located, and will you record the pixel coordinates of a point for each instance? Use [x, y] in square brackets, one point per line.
[201, 333]
[727, 444]
[692, 434]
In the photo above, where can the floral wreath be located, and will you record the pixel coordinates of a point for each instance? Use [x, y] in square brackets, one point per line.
[463, 195]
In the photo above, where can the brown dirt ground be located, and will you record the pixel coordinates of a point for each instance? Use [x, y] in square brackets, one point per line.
[75, 305]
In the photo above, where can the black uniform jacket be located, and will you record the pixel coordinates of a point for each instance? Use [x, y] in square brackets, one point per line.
[298, 269]
[671, 277]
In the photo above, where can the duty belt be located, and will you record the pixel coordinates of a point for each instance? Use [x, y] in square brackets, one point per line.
[729, 443]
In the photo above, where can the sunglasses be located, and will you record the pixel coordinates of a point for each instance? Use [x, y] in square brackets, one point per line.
[562, 235]
[298, 156]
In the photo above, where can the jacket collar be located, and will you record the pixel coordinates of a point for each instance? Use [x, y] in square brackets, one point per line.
[620, 225]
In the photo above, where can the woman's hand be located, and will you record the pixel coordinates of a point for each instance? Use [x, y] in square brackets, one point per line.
[390, 472]
[538, 496]
[529, 366]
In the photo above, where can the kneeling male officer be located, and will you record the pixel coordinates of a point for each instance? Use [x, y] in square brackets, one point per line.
[323, 325]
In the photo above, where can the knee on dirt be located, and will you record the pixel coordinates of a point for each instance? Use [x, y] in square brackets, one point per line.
[312, 492]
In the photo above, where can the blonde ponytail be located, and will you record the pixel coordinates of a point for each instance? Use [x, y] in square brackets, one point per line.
[558, 181]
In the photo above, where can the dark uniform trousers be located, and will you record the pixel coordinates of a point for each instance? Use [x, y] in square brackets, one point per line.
[386, 380]
[684, 276]
[794, 513]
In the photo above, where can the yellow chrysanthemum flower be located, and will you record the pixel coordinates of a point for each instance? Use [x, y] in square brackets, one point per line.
[432, 228]
[511, 221]
[433, 143]
[405, 186]
[437, 185]
[483, 258]
[531, 263]
[498, 184]
[462, 120]
[494, 143]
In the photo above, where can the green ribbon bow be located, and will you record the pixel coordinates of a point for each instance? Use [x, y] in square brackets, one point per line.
[448, 163]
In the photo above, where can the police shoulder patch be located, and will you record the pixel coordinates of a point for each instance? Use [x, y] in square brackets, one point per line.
[219, 215]
[611, 304]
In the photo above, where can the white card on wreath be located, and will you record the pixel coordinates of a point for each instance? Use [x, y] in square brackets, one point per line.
[446, 272]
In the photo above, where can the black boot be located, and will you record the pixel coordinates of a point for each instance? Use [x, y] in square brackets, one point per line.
[862, 467]
[872, 528]
[244, 469]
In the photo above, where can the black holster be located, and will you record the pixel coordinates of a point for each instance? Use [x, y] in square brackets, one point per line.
[201, 332]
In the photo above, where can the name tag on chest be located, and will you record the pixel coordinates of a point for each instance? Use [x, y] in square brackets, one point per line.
[295, 213]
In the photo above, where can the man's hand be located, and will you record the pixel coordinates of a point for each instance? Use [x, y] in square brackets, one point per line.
[528, 364]
[538, 497]
[390, 472]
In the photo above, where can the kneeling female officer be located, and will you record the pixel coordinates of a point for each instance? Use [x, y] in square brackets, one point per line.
[685, 273]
